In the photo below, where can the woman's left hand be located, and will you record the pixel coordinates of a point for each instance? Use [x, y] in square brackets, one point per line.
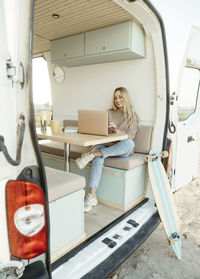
[111, 128]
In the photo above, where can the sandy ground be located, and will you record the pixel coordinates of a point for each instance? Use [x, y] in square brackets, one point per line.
[155, 258]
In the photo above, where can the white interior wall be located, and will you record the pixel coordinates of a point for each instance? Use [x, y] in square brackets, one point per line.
[92, 86]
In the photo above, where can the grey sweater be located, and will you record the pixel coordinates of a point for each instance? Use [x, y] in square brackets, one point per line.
[117, 117]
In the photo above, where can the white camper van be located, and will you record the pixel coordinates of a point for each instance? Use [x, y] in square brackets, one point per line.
[91, 47]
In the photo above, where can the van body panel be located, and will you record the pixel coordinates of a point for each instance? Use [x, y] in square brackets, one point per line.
[5, 131]
[16, 107]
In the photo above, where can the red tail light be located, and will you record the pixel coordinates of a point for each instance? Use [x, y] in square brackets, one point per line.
[26, 218]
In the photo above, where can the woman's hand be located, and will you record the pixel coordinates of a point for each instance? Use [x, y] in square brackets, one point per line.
[111, 128]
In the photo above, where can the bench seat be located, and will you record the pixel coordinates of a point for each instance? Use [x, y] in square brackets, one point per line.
[57, 148]
[142, 146]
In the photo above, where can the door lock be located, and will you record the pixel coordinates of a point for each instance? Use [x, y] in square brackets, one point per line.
[190, 139]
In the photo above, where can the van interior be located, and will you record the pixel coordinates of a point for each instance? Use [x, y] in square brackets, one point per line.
[91, 48]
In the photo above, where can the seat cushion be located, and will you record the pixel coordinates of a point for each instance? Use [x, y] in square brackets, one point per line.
[56, 148]
[62, 183]
[143, 139]
[128, 163]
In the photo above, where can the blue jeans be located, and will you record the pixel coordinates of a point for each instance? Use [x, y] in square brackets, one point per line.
[121, 149]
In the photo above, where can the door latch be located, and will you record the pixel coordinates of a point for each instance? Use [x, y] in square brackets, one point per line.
[15, 72]
[190, 139]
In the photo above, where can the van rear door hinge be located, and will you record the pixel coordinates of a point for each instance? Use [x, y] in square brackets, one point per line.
[12, 270]
[15, 72]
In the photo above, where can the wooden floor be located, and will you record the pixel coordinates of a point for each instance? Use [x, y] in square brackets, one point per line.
[100, 216]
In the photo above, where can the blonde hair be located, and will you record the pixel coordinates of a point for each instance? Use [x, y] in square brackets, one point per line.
[129, 112]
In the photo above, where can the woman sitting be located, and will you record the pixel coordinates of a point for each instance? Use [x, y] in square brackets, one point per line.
[122, 117]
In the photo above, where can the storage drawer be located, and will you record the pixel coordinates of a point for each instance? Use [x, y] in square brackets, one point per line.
[110, 38]
[69, 47]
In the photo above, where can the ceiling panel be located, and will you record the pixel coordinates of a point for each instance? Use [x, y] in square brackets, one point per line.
[75, 16]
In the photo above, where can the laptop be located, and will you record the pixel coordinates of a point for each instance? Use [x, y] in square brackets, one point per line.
[93, 122]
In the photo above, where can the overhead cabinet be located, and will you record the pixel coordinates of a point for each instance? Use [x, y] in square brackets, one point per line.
[67, 48]
[122, 41]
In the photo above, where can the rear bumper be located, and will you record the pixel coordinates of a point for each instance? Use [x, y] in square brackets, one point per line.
[35, 270]
[101, 254]
[119, 256]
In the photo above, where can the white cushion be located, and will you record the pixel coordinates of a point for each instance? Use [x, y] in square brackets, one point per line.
[62, 183]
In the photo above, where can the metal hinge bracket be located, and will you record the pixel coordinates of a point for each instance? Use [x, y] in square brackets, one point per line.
[15, 72]
[13, 269]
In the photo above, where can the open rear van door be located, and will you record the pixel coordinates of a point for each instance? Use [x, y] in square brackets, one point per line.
[5, 93]
[24, 219]
[185, 155]
[5, 83]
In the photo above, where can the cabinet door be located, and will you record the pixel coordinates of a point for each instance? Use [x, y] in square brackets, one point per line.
[69, 47]
[110, 38]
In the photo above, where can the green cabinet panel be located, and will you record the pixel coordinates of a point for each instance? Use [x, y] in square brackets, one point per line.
[135, 183]
[117, 187]
[53, 161]
[69, 47]
[137, 39]
[111, 38]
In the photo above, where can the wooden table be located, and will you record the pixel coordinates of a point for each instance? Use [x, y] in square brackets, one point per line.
[78, 139]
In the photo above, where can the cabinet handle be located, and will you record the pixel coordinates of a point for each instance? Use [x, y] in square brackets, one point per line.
[103, 47]
[65, 54]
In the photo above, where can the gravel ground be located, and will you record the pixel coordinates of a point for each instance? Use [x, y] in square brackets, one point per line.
[155, 258]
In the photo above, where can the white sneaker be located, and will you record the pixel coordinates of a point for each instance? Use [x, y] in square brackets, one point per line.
[84, 160]
[89, 202]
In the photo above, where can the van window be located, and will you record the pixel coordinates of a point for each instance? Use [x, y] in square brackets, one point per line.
[41, 91]
[188, 94]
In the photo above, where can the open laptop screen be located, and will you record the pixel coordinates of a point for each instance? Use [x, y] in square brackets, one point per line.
[93, 122]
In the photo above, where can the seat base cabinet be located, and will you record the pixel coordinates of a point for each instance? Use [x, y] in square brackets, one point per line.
[67, 230]
[66, 208]
[118, 188]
